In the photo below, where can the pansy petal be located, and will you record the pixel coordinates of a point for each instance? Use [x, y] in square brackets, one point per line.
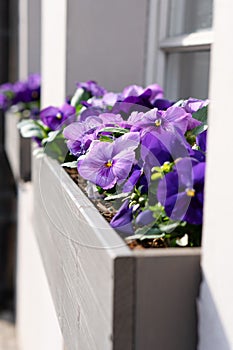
[128, 141]
[122, 221]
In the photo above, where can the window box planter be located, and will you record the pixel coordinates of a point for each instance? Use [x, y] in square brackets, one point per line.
[18, 149]
[107, 296]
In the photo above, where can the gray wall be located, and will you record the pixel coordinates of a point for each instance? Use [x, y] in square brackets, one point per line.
[106, 42]
[34, 36]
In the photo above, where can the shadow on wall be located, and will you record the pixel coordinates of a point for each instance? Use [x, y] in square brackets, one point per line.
[211, 332]
[7, 232]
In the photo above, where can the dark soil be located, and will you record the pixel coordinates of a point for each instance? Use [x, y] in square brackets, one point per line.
[108, 211]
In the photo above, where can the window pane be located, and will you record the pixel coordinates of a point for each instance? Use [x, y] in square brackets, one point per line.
[187, 75]
[187, 16]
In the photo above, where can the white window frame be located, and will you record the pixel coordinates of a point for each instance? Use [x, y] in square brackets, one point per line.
[159, 44]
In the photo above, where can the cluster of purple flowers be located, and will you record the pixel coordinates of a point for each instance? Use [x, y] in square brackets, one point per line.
[142, 151]
[25, 92]
[150, 149]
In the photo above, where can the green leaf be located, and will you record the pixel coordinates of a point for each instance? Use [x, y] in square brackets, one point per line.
[152, 236]
[156, 176]
[178, 103]
[201, 115]
[169, 228]
[154, 231]
[52, 135]
[104, 138]
[70, 164]
[77, 97]
[29, 128]
[199, 129]
[157, 168]
[117, 196]
[56, 149]
[115, 130]
[70, 158]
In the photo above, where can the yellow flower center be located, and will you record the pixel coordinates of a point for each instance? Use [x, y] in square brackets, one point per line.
[108, 164]
[190, 192]
[58, 115]
[158, 122]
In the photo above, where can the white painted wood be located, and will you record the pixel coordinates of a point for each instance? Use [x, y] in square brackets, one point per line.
[12, 142]
[188, 42]
[79, 257]
[160, 43]
[29, 37]
[53, 49]
[99, 286]
[37, 325]
[161, 57]
[215, 307]
[152, 41]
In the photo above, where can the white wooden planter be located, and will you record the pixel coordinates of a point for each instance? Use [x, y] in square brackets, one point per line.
[107, 296]
[18, 149]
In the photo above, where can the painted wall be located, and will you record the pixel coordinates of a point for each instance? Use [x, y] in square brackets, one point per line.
[37, 325]
[215, 303]
[106, 42]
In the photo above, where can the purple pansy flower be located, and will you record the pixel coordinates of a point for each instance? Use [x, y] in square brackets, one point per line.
[90, 112]
[162, 104]
[153, 91]
[55, 117]
[145, 218]
[181, 192]
[158, 148]
[34, 83]
[3, 101]
[79, 135]
[21, 92]
[192, 105]
[109, 163]
[169, 120]
[201, 140]
[136, 178]
[181, 120]
[132, 103]
[92, 87]
[7, 87]
[131, 90]
[108, 99]
[122, 221]
[111, 118]
[135, 98]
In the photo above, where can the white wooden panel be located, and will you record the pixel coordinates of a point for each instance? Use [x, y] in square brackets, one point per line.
[78, 255]
[188, 42]
[29, 37]
[53, 49]
[12, 143]
[101, 289]
[37, 325]
[152, 41]
[216, 307]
